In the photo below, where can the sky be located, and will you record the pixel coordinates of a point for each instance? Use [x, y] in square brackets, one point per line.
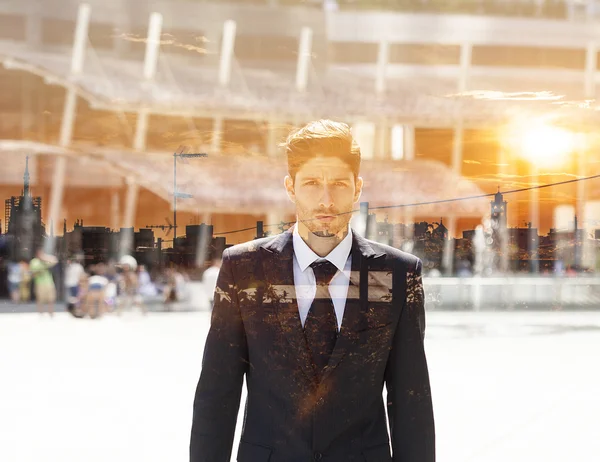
[491, 165]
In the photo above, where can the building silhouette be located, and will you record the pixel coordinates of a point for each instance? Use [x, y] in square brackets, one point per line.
[198, 246]
[23, 221]
[498, 211]
[102, 244]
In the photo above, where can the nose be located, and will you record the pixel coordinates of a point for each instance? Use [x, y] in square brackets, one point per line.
[326, 198]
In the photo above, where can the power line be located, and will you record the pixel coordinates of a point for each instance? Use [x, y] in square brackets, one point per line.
[239, 230]
[480, 196]
[441, 201]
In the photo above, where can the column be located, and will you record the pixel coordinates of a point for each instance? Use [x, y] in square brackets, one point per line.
[408, 213]
[382, 62]
[534, 218]
[304, 58]
[409, 142]
[80, 40]
[584, 251]
[591, 62]
[457, 144]
[383, 142]
[466, 51]
[33, 24]
[217, 135]
[141, 129]
[227, 48]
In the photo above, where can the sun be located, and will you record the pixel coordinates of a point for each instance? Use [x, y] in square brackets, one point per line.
[542, 144]
[548, 145]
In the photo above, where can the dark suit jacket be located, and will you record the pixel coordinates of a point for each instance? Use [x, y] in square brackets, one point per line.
[289, 417]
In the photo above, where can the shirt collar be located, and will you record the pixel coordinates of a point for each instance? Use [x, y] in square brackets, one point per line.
[306, 256]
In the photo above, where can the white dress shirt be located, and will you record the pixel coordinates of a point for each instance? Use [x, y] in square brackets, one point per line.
[304, 276]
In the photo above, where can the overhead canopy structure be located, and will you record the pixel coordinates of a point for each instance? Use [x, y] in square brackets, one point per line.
[82, 170]
[424, 97]
[253, 184]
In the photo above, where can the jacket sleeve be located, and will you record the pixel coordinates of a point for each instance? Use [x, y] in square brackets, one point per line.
[224, 363]
[409, 403]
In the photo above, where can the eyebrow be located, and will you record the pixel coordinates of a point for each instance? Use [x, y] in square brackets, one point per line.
[318, 178]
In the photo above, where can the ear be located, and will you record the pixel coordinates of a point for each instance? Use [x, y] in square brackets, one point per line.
[289, 188]
[358, 189]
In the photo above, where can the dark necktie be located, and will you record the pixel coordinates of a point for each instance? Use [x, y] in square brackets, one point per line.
[320, 326]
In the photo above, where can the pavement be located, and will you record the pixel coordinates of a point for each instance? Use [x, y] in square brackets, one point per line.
[7, 306]
[518, 387]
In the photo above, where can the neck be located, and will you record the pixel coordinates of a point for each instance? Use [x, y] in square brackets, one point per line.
[318, 244]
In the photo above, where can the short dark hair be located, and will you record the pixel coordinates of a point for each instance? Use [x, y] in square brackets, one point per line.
[321, 137]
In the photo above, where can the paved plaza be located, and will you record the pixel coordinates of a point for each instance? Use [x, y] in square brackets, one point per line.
[518, 387]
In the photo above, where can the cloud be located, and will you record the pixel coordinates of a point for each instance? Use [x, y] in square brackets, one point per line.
[466, 161]
[508, 96]
[583, 104]
[551, 174]
[167, 39]
[546, 200]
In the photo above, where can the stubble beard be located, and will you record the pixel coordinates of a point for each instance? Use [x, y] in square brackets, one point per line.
[324, 233]
[327, 231]
[323, 230]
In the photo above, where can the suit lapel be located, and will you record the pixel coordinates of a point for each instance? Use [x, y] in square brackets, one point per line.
[278, 268]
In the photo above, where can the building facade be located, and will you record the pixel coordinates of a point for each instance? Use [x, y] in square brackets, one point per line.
[232, 79]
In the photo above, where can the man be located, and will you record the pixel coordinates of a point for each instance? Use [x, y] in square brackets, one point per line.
[95, 298]
[45, 290]
[15, 276]
[129, 287]
[318, 319]
[74, 272]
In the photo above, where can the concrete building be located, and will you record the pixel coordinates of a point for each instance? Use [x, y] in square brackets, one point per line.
[231, 79]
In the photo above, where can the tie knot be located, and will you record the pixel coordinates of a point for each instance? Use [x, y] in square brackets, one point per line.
[324, 271]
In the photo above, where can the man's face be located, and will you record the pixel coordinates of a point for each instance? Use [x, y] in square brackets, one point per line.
[324, 192]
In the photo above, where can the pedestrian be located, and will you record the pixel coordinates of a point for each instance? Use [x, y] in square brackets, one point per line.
[14, 278]
[25, 284]
[170, 288]
[209, 280]
[129, 286]
[45, 290]
[74, 271]
[95, 299]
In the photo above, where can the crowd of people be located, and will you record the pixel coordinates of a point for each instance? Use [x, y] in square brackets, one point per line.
[96, 289]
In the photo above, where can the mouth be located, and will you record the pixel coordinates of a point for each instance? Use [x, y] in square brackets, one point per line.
[325, 218]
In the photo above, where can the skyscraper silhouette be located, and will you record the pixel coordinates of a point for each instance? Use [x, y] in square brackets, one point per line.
[23, 221]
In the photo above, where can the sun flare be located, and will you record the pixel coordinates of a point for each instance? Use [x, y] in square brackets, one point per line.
[542, 144]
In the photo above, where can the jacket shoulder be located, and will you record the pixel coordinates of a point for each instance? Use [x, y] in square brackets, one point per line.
[247, 249]
[392, 254]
